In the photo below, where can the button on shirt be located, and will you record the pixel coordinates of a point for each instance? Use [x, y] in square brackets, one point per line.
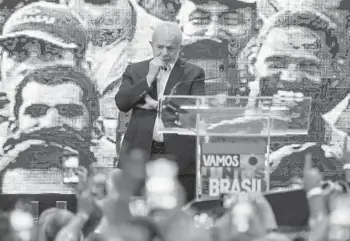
[161, 83]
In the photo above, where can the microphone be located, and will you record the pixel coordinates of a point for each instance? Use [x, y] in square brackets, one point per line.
[173, 90]
[175, 108]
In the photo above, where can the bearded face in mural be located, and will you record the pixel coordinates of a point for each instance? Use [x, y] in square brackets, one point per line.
[54, 109]
[216, 20]
[27, 44]
[294, 55]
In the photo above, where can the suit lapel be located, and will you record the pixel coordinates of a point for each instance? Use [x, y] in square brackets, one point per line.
[175, 76]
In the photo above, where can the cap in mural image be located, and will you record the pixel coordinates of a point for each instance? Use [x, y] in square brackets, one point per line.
[163, 9]
[55, 108]
[49, 22]
[267, 8]
[40, 34]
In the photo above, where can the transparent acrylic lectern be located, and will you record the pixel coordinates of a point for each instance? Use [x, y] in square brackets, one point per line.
[216, 119]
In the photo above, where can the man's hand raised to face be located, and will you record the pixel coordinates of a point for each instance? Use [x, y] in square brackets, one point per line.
[151, 104]
[312, 176]
[155, 66]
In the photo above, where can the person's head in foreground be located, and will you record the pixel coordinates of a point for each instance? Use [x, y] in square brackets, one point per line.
[51, 221]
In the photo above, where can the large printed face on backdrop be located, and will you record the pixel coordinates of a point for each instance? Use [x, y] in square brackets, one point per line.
[216, 20]
[32, 37]
[294, 57]
[21, 55]
[301, 55]
[45, 106]
[214, 32]
[290, 54]
[54, 108]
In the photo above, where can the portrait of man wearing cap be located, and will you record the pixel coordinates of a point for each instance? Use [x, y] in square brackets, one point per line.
[40, 34]
[292, 53]
[55, 108]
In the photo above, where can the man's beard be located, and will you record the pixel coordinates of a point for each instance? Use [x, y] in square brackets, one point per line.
[270, 85]
[221, 34]
[43, 151]
[12, 77]
[205, 48]
[254, 120]
[321, 100]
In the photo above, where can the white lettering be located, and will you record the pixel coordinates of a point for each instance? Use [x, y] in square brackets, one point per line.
[246, 183]
[206, 159]
[221, 160]
[235, 186]
[214, 189]
[225, 186]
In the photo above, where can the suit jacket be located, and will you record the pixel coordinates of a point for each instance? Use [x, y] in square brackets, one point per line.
[139, 133]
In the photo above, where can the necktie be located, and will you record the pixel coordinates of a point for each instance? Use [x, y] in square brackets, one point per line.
[161, 81]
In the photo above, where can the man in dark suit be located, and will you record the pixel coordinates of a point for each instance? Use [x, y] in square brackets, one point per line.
[143, 84]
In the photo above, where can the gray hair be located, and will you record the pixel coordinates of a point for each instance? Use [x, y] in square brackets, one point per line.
[169, 27]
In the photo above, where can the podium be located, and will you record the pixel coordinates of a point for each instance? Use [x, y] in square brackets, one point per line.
[233, 136]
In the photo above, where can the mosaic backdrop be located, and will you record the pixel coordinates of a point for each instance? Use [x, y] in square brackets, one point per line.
[243, 45]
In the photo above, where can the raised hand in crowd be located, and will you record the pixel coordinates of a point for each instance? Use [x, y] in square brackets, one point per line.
[247, 218]
[116, 205]
[50, 222]
[312, 179]
[346, 159]
[98, 182]
[83, 183]
[135, 171]
[165, 198]
[90, 191]
[318, 219]
[121, 185]
[180, 226]
[73, 231]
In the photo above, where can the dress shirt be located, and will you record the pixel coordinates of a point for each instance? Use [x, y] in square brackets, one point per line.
[161, 84]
